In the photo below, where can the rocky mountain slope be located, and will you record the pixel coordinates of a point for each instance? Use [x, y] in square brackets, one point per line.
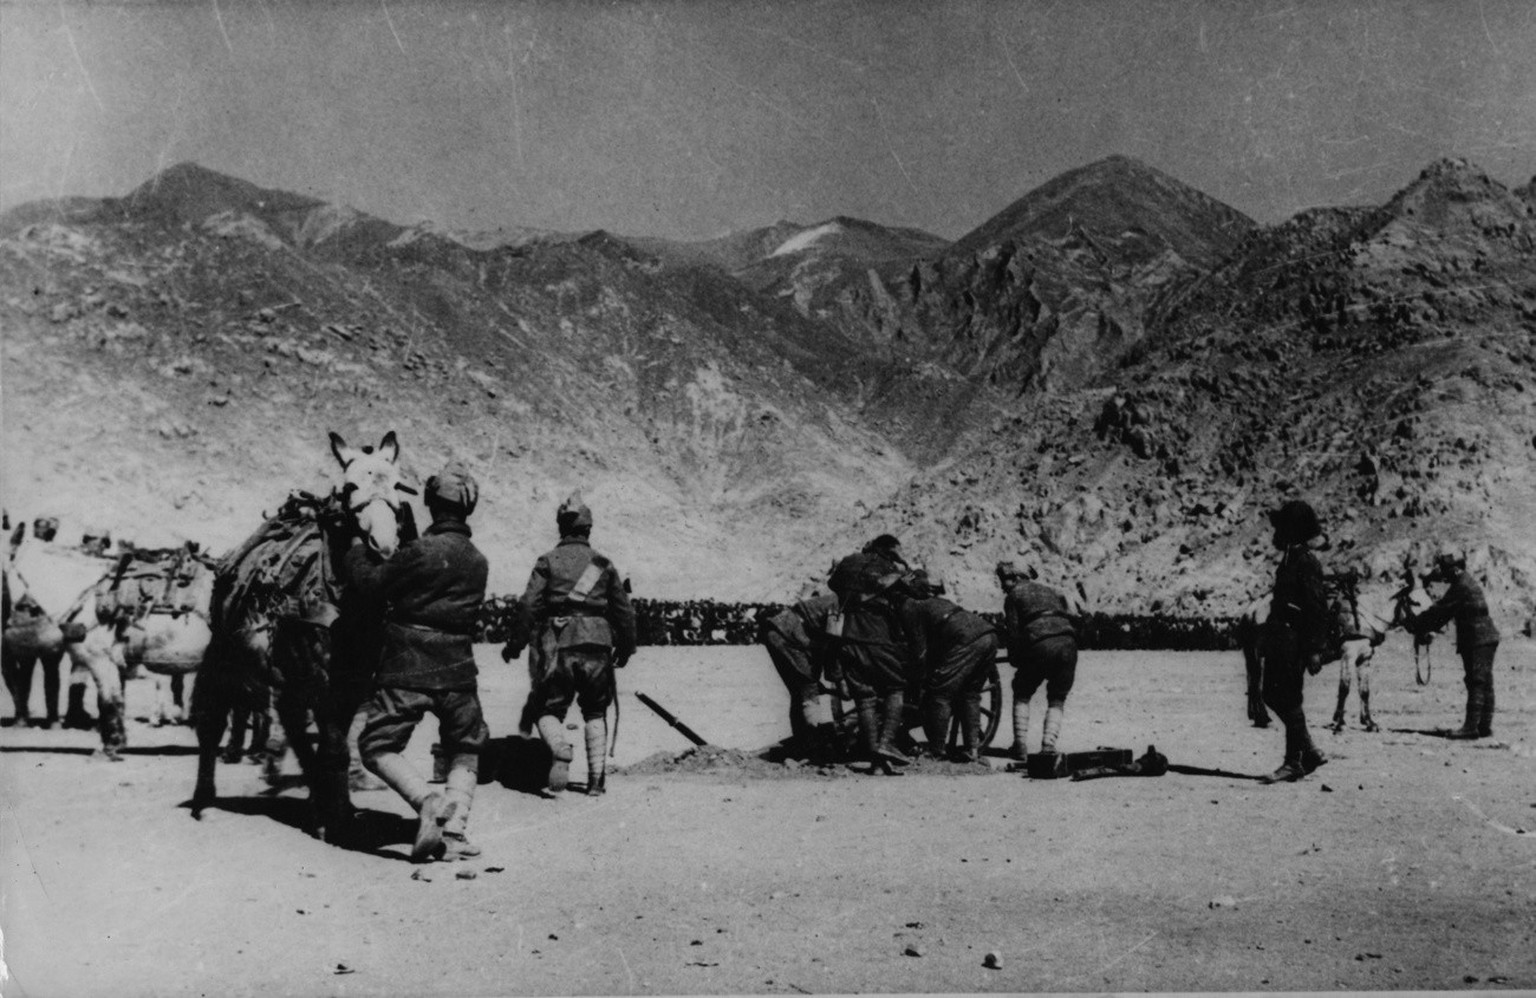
[1376, 361]
[1112, 378]
[177, 356]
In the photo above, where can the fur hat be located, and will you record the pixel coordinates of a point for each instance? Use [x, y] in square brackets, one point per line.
[453, 488]
[1295, 522]
[573, 513]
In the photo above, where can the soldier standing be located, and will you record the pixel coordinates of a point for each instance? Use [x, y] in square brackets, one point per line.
[577, 618]
[1038, 626]
[432, 588]
[1296, 635]
[954, 649]
[1477, 638]
[794, 637]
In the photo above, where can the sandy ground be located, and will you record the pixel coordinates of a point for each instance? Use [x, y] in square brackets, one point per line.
[1408, 862]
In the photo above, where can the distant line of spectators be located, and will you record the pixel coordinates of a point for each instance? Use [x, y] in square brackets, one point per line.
[709, 622]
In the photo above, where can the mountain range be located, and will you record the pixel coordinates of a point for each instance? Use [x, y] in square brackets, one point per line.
[1113, 377]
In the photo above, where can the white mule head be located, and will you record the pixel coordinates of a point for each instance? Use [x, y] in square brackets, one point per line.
[371, 488]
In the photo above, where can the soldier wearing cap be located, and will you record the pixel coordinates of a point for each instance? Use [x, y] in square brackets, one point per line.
[794, 637]
[431, 591]
[578, 621]
[1296, 635]
[1477, 637]
[954, 649]
[1041, 635]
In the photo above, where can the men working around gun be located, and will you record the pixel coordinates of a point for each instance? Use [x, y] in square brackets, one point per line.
[577, 620]
[432, 588]
[1477, 638]
[1041, 637]
[794, 637]
[871, 660]
[954, 650]
[1296, 635]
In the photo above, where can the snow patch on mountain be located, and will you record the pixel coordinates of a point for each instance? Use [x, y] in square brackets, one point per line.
[806, 239]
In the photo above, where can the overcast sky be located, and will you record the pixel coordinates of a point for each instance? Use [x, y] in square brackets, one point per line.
[690, 118]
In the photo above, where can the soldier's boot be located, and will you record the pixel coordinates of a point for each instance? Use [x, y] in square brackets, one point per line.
[114, 735]
[868, 712]
[596, 732]
[1468, 729]
[1053, 714]
[552, 730]
[1289, 772]
[970, 731]
[1020, 749]
[333, 807]
[460, 797]
[432, 809]
[892, 710]
[936, 721]
[75, 715]
[1485, 714]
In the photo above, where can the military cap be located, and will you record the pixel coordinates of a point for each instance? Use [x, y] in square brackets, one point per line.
[573, 513]
[453, 488]
[1295, 522]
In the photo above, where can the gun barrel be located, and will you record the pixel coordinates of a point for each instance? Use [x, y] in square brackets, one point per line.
[670, 718]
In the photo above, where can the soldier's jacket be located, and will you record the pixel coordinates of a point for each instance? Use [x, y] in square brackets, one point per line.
[430, 594]
[1034, 613]
[935, 625]
[578, 592]
[804, 624]
[1300, 599]
[874, 647]
[1465, 603]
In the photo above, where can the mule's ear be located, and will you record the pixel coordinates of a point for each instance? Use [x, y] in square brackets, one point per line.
[390, 447]
[344, 454]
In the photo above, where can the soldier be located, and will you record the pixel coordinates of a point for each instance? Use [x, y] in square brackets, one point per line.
[433, 588]
[1040, 631]
[1296, 634]
[794, 637]
[1477, 638]
[577, 618]
[954, 649]
[871, 660]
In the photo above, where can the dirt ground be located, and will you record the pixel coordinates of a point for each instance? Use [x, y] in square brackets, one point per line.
[1408, 862]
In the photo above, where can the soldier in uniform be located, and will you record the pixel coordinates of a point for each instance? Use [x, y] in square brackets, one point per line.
[871, 658]
[577, 619]
[954, 649]
[794, 637]
[1477, 638]
[1039, 628]
[432, 590]
[1296, 635]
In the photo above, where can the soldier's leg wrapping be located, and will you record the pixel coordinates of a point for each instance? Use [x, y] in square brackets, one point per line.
[1485, 655]
[18, 668]
[463, 732]
[937, 715]
[1060, 656]
[596, 731]
[1470, 679]
[552, 730]
[1346, 663]
[1020, 749]
[1283, 685]
[892, 711]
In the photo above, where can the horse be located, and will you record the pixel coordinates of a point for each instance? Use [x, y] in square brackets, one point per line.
[1356, 634]
[49, 585]
[156, 604]
[275, 598]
